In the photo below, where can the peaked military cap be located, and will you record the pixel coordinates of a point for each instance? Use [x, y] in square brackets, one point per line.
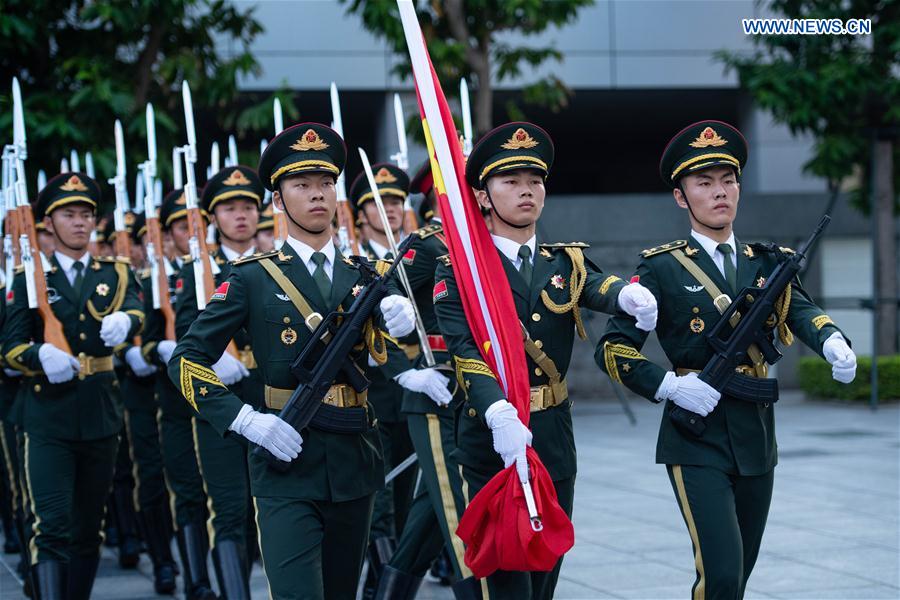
[229, 183]
[174, 207]
[302, 148]
[67, 188]
[266, 217]
[390, 179]
[700, 146]
[138, 227]
[109, 230]
[516, 145]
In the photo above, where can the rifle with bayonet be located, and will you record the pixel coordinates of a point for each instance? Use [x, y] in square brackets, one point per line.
[280, 228]
[346, 227]
[32, 259]
[159, 278]
[326, 355]
[401, 158]
[745, 329]
[119, 182]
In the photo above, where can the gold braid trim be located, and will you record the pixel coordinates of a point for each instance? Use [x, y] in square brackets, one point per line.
[470, 365]
[611, 351]
[118, 298]
[604, 287]
[382, 266]
[12, 359]
[576, 286]
[782, 305]
[821, 321]
[191, 371]
[375, 342]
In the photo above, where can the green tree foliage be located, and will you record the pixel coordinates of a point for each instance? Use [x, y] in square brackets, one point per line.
[467, 38]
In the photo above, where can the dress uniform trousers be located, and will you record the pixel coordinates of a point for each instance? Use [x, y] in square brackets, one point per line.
[139, 395]
[725, 515]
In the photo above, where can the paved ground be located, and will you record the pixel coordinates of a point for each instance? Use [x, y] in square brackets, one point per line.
[833, 529]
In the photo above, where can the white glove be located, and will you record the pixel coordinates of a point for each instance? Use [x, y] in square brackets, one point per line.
[427, 381]
[510, 436]
[114, 328]
[136, 361]
[689, 392]
[229, 369]
[58, 366]
[399, 316]
[637, 301]
[268, 431]
[164, 350]
[841, 358]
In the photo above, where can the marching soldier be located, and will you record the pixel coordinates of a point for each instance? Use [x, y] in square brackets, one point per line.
[722, 477]
[384, 395]
[73, 413]
[551, 283]
[430, 409]
[139, 391]
[314, 519]
[232, 197]
[175, 417]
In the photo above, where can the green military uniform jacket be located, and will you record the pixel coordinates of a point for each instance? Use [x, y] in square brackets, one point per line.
[553, 333]
[249, 389]
[739, 436]
[332, 466]
[420, 262]
[87, 407]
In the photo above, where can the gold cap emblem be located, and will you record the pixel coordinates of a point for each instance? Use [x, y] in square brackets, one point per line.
[73, 184]
[309, 141]
[708, 137]
[384, 176]
[520, 139]
[237, 178]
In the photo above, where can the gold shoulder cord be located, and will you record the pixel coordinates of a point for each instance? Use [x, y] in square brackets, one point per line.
[118, 298]
[576, 287]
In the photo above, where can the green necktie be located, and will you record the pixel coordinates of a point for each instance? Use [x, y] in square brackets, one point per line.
[525, 268]
[388, 255]
[730, 270]
[79, 277]
[321, 277]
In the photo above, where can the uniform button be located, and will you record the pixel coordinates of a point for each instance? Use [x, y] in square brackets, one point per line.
[37, 388]
[539, 343]
[286, 320]
[695, 310]
[472, 412]
[247, 348]
[535, 317]
[82, 336]
[81, 317]
[538, 372]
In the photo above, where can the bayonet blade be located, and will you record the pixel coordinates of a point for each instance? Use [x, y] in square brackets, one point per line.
[336, 110]
[18, 119]
[89, 164]
[74, 161]
[120, 149]
[279, 118]
[151, 139]
[402, 157]
[467, 115]
[232, 150]
[188, 114]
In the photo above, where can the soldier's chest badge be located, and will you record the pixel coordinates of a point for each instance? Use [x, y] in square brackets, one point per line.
[697, 325]
[694, 288]
[52, 295]
[760, 282]
[283, 297]
[558, 282]
[288, 336]
[102, 289]
[356, 290]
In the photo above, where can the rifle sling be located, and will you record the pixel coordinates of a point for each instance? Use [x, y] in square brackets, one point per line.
[310, 317]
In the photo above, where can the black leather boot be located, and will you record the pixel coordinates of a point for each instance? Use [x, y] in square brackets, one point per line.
[80, 582]
[230, 561]
[156, 535]
[193, 546]
[467, 589]
[48, 580]
[397, 585]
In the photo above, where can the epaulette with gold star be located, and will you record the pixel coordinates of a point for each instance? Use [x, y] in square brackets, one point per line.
[664, 248]
[260, 255]
[444, 258]
[429, 230]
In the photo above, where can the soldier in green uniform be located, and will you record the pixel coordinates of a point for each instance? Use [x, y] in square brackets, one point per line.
[385, 395]
[313, 519]
[722, 479]
[550, 283]
[431, 417]
[188, 500]
[73, 414]
[150, 494]
[232, 197]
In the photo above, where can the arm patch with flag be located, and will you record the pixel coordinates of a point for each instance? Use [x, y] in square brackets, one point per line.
[440, 291]
[220, 292]
[409, 257]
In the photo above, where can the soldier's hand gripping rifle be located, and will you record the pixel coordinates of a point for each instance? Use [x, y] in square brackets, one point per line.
[159, 278]
[32, 259]
[748, 321]
[326, 355]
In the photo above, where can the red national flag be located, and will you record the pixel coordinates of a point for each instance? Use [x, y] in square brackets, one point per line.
[496, 526]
